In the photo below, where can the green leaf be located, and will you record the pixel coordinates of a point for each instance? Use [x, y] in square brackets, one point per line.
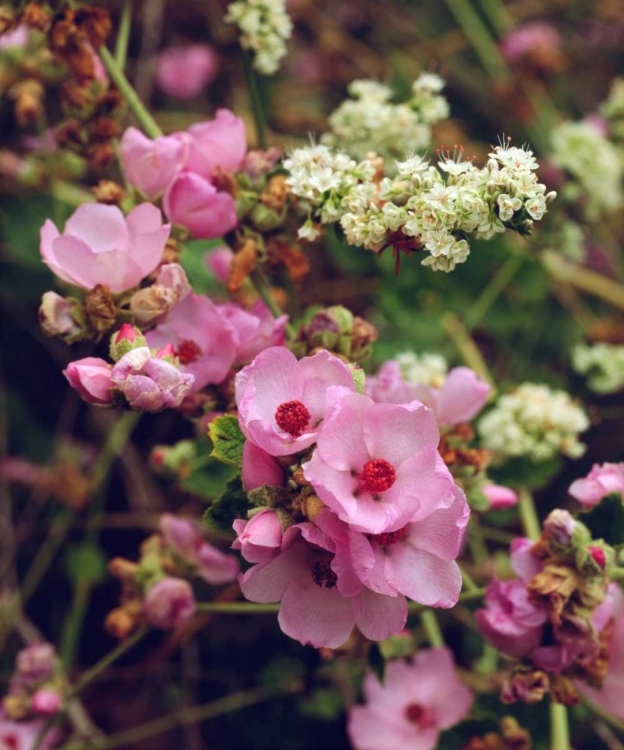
[208, 481]
[233, 504]
[228, 440]
[192, 260]
[86, 563]
[606, 520]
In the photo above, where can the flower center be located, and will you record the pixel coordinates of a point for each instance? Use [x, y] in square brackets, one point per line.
[292, 417]
[377, 476]
[419, 715]
[9, 741]
[323, 575]
[385, 540]
[188, 352]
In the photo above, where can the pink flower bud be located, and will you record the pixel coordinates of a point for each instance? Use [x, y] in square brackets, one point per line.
[499, 497]
[127, 333]
[91, 377]
[150, 165]
[218, 144]
[169, 603]
[183, 72]
[598, 556]
[219, 261]
[35, 663]
[150, 382]
[180, 534]
[46, 702]
[559, 527]
[194, 203]
[260, 467]
[260, 538]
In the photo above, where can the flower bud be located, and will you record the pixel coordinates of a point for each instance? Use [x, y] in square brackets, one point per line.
[266, 219]
[91, 377]
[563, 533]
[55, 317]
[194, 203]
[46, 702]
[359, 377]
[499, 497]
[169, 604]
[124, 340]
[527, 686]
[35, 663]
[260, 538]
[173, 458]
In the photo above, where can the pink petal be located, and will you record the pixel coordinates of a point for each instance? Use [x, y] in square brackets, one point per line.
[461, 398]
[101, 227]
[114, 268]
[396, 433]
[422, 576]
[318, 373]
[442, 532]
[378, 616]
[267, 582]
[340, 442]
[369, 729]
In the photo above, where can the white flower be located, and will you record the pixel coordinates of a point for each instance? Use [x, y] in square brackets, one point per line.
[603, 364]
[536, 207]
[508, 205]
[428, 369]
[265, 26]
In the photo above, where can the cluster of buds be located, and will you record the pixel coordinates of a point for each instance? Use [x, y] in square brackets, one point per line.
[556, 617]
[337, 330]
[156, 590]
[36, 688]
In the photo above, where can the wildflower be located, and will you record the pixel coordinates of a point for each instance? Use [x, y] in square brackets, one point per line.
[602, 364]
[602, 480]
[91, 377]
[101, 246]
[255, 329]
[169, 604]
[184, 72]
[217, 145]
[265, 26]
[150, 165]
[195, 203]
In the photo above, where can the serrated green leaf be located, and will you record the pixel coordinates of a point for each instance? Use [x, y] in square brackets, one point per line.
[606, 520]
[86, 563]
[227, 439]
[233, 504]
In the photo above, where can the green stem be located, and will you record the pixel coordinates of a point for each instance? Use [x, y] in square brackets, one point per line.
[123, 34]
[493, 290]
[432, 628]
[498, 15]
[468, 582]
[261, 285]
[114, 445]
[256, 100]
[584, 279]
[74, 622]
[528, 514]
[617, 574]
[559, 728]
[146, 121]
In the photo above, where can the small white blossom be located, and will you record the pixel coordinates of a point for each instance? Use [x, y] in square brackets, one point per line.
[507, 206]
[265, 26]
[428, 369]
[534, 422]
[603, 364]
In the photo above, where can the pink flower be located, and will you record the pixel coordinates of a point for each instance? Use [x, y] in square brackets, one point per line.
[313, 608]
[184, 538]
[149, 382]
[184, 72]
[281, 401]
[256, 329]
[22, 735]
[150, 165]
[260, 538]
[203, 340]
[260, 467]
[499, 497]
[528, 37]
[46, 702]
[602, 480]
[388, 386]
[16, 39]
[418, 560]
[415, 702]
[510, 621]
[195, 203]
[169, 603]
[91, 377]
[524, 563]
[219, 261]
[35, 663]
[101, 246]
[377, 465]
[217, 145]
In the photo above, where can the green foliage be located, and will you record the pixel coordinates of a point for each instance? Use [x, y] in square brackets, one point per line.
[233, 504]
[192, 260]
[522, 472]
[228, 440]
[606, 520]
[208, 481]
[324, 704]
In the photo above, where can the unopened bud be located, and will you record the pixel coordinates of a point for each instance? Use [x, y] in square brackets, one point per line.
[125, 340]
[55, 317]
[550, 197]
[46, 702]
[108, 192]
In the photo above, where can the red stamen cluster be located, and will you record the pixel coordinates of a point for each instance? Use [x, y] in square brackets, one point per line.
[419, 715]
[187, 352]
[292, 417]
[323, 575]
[392, 537]
[377, 476]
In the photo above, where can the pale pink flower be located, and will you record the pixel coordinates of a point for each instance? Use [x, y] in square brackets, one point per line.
[528, 37]
[377, 465]
[169, 603]
[184, 538]
[91, 377]
[256, 329]
[499, 497]
[150, 165]
[282, 401]
[149, 382]
[602, 480]
[184, 72]
[203, 340]
[415, 702]
[388, 385]
[510, 621]
[217, 145]
[193, 202]
[313, 608]
[260, 467]
[102, 246]
[260, 538]
[22, 735]
[219, 261]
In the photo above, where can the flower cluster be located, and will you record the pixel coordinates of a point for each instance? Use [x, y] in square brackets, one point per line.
[556, 615]
[156, 590]
[353, 508]
[35, 695]
[534, 422]
[595, 164]
[602, 480]
[265, 26]
[602, 364]
[370, 121]
[413, 704]
[423, 207]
